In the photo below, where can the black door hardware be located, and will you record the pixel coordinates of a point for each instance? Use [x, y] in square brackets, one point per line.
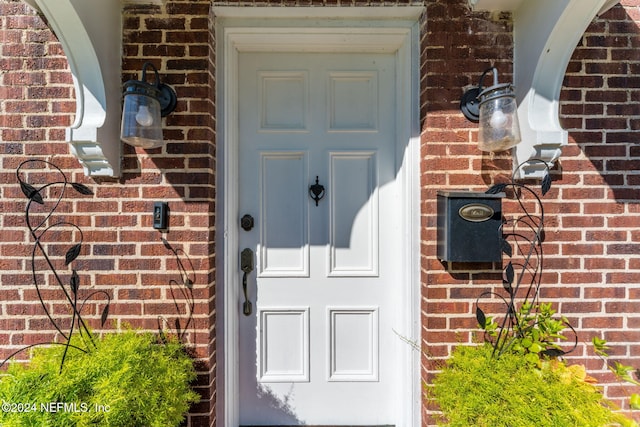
[246, 222]
[316, 191]
[246, 265]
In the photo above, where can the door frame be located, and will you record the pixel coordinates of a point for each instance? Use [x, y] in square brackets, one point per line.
[326, 29]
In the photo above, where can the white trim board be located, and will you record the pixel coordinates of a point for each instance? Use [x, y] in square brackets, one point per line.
[387, 13]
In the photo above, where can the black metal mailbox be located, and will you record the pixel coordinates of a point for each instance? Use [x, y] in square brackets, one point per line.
[469, 226]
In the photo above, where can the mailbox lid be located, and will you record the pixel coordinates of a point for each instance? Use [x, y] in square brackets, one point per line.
[469, 194]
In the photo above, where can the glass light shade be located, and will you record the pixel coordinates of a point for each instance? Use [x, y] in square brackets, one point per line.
[499, 128]
[141, 121]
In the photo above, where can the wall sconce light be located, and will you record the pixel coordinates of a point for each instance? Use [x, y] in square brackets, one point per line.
[496, 110]
[144, 105]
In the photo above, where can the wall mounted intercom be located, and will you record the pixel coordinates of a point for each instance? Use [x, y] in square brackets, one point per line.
[160, 215]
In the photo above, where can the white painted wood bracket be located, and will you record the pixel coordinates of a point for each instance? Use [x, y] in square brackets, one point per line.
[91, 35]
[546, 33]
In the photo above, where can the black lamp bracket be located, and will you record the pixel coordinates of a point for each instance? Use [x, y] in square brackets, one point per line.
[470, 104]
[163, 92]
[470, 101]
[168, 99]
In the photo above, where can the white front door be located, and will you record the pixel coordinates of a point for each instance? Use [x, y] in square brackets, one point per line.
[318, 346]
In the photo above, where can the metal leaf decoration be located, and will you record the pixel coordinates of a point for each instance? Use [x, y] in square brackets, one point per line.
[506, 248]
[524, 314]
[39, 231]
[509, 273]
[105, 314]
[178, 327]
[507, 287]
[72, 254]
[553, 352]
[82, 189]
[541, 236]
[75, 282]
[31, 192]
[546, 184]
[482, 319]
[495, 189]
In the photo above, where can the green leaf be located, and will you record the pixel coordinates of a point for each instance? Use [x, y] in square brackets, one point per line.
[622, 371]
[535, 334]
[600, 346]
[536, 347]
[634, 401]
[532, 357]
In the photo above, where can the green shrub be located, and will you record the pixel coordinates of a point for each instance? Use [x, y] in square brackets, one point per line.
[128, 380]
[476, 389]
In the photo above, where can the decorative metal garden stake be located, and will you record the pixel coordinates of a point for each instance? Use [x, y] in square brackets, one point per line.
[527, 235]
[42, 225]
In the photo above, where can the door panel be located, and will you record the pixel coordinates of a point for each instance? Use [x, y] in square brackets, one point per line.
[353, 344]
[353, 219]
[283, 98]
[284, 345]
[353, 101]
[319, 346]
[284, 226]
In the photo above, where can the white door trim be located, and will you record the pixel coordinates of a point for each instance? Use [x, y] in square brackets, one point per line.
[236, 32]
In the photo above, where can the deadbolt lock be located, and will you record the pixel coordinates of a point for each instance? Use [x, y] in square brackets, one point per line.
[246, 222]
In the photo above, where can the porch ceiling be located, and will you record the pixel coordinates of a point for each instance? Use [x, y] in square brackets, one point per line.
[546, 33]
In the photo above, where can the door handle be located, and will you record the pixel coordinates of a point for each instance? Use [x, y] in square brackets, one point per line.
[246, 265]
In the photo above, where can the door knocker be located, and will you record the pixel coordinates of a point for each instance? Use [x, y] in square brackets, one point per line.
[316, 191]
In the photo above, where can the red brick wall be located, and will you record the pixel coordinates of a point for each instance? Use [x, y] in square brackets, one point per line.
[36, 97]
[600, 210]
[592, 247]
[177, 40]
[592, 265]
[123, 254]
[457, 46]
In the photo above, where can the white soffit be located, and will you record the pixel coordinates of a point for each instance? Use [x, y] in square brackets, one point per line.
[90, 32]
[546, 33]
